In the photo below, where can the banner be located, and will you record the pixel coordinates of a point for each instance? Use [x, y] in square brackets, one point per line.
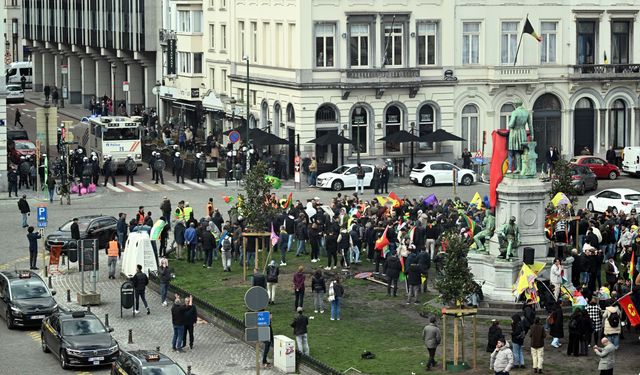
[626, 303]
[497, 160]
[171, 56]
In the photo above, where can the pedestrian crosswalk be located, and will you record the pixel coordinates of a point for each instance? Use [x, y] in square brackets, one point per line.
[150, 186]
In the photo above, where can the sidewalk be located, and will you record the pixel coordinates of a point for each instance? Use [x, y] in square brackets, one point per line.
[215, 351]
[75, 111]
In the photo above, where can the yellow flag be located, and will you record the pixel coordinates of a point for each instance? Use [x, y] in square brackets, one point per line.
[560, 199]
[382, 200]
[477, 200]
[536, 267]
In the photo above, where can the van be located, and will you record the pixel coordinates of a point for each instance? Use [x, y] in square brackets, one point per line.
[631, 160]
[16, 70]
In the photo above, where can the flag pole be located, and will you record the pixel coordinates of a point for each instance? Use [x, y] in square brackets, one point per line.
[515, 59]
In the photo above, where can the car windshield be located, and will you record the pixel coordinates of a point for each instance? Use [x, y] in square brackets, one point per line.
[81, 327]
[171, 369]
[573, 160]
[82, 225]
[25, 146]
[421, 166]
[28, 288]
[632, 197]
[121, 134]
[341, 169]
[14, 88]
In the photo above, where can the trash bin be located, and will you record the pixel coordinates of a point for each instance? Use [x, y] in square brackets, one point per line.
[126, 296]
[72, 255]
[284, 354]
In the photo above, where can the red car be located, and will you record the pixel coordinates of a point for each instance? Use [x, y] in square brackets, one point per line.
[599, 166]
[20, 148]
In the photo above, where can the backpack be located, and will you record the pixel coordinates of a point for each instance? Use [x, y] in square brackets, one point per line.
[272, 274]
[614, 320]
[226, 244]
[573, 324]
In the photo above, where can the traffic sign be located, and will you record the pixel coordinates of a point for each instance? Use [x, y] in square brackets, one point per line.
[64, 69]
[42, 224]
[42, 213]
[125, 86]
[257, 334]
[264, 318]
[234, 136]
[256, 298]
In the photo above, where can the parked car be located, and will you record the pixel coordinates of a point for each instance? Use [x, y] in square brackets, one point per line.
[26, 299]
[78, 338]
[621, 200]
[583, 179]
[344, 177]
[21, 148]
[429, 173]
[15, 135]
[631, 160]
[100, 227]
[145, 362]
[15, 94]
[599, 166]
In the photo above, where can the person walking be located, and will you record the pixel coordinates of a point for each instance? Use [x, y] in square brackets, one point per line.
[140, 282]
[517, 340]
[164, 274]
[537, 335]
[612, 329]
[190, 319]
[313, 171]
[272, 281]
[555, 320]
[226, 247]
[300, 328]
[318, 288]
[267, 345]
[75, 229]
[51, 186]
[336, 292]
[121, 229]
[283, 245]
[360, 178]
[414, 281]
[33, 238]
[47, 92]
[17, 119]
[25, 210]
[607, 356]
[298, 287]
[113, 252]
[178, 318]
[501, 358]
[431, 337]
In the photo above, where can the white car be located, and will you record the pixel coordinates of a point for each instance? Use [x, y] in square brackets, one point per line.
[344, 177]
[429, 173]
[622, 200]
[15, 94]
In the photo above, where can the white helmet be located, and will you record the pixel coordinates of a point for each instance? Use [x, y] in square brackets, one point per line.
[71, 152]
[95, 157]
[93, 153]
[85, 159]
[177, 154]
[79, 151]
[22, 157]
[129, 156]
[44, 155]
[198, 155]
[175, 147]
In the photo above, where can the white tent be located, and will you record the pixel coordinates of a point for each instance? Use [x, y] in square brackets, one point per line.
[138, 250]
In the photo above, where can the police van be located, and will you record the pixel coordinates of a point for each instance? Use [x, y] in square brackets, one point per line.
[631, 160]
[16, 70]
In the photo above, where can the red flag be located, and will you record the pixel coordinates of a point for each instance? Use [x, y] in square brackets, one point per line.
[382, 241]
[632, 266]
[288, 202]
[497, 159]
[397, 202]
[630, 309]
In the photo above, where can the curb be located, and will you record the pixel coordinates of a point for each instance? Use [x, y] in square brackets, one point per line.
[61, 111]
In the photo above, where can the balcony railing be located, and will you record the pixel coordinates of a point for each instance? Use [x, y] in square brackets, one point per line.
[606, 71]
[383, 73]
[514, 73]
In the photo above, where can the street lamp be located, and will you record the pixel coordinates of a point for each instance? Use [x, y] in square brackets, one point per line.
[114, 67]
[157, 87]
[246, 58]
[413, 126]
[232, 153]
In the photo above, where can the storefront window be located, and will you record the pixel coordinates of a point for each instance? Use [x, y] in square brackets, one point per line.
[426, 125]
[359, 122]
[393, 124]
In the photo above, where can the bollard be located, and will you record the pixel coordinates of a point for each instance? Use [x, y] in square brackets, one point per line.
[68, 295]
[189, 370]
[130, 336]
[63, 260]
[50, 285]
[106, 320]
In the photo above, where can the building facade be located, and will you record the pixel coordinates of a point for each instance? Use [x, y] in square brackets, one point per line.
[95, 47]
[15, 49]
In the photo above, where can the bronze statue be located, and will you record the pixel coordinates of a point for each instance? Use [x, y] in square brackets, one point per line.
[518, 138]
[508, 238]
[488, 227]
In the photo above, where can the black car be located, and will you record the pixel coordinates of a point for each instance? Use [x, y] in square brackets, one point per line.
[78, 338]
[100, 227]
[143, 362]
[25, 299]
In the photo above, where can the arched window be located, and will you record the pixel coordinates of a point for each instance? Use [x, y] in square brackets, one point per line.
[584, 103]
[618, 131]
[470, 127]
[426, 125]
[264, 114]
[277, 111]
[505, 114]
[291, 113]
[327, 114]
[359, 121]
[393, 124]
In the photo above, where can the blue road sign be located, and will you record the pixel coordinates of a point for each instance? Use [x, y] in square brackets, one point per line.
[42, 224]
[42, 214]
[264, 318]
[234, 136]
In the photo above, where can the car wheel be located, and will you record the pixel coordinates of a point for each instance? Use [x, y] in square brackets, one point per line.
[428, 181]
[44, 344]
[337, 185]
[467, 180]
[590, 206]
[10, 324]
[613, 175]
[63, 360]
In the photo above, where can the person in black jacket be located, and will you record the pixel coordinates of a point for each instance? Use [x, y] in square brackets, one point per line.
[140, 282]
[208, 242]
[424, 261]
[518, 334]
[75, 229]
[164, 273]
[178, 318]
[575, 333]
[259, 279]
[392, 268]
[414, 279]
[331, 242]
[190, 318]
[23, 206]
[318, 288]
[384, 180]
[272, 281]
[33, 237]
[299, 326]
[495, 333]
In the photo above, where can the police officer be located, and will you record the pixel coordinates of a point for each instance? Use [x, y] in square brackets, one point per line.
[95, 170]
[79, 163]
[158, 167]
[200, 166]
[175, 158]
[129, 167]
[178, 165]
[87, 172]
[23, 170]
[108, 170]
[12, 176]
[152, 162]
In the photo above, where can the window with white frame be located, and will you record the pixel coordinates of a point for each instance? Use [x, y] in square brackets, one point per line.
[359, 124]
[197, 63]
[223, 4]
[325, 37]
[223, 73]
[359, 44]
[470, 42]
[212, 3]
[184, 21]
[212, 78]
[505, 114]
[266, 39]
[241, 39]
[184, 62]
[254, 42]
[212, 36]
[223, 37]
[470, 127]
[508, 42]
[549, 34]
[427, 42]
[393, 44]
[426, 125]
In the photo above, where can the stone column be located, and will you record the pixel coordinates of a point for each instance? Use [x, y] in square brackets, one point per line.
[135, 96]
[74, 80]
[120, 74]
[59, 60]
[48, 69]
[602, 118]
[150, 100]
[103, 78]
[36, 75]
[88, 81]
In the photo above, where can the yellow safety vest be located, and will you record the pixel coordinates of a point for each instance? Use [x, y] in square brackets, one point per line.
[179, 214]
[187, 212]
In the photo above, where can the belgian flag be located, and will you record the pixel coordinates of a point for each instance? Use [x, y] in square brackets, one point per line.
[528, 29]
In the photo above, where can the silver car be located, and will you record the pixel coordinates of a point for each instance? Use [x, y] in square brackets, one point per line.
[583, 179]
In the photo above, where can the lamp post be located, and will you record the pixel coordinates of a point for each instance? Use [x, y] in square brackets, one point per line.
[413, 126]
[232, 155]
[62, 85]
[114, 67]
[46, 106]
[246, 58]
[157, 92]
